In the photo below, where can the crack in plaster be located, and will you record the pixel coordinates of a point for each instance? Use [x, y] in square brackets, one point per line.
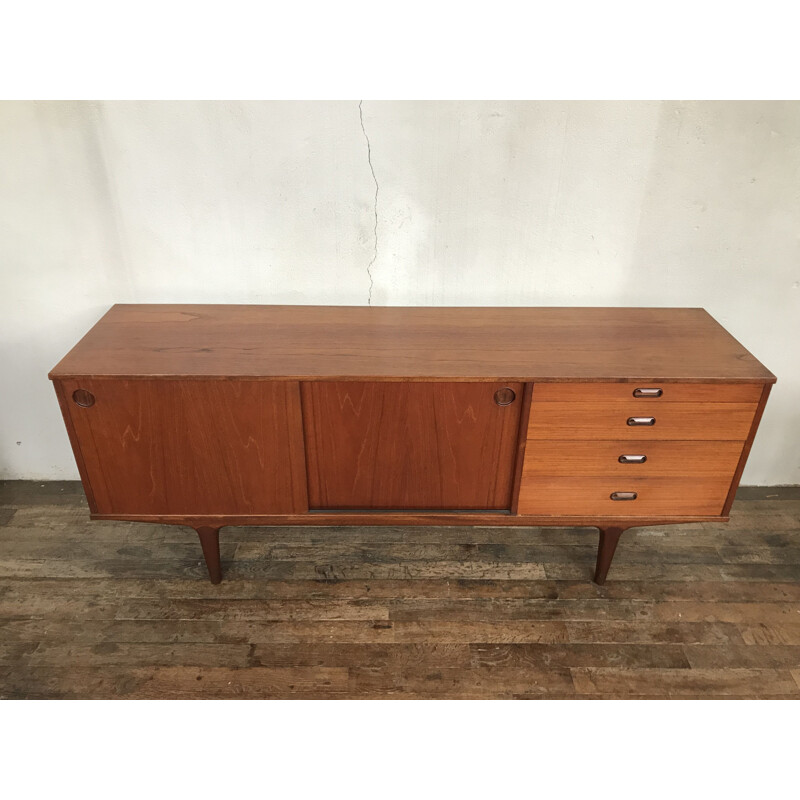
[375, 230]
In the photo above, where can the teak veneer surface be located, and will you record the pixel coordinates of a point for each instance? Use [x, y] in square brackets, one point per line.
[561, 496]
[458, 344]
[374, 445]
[573, 458]
[609, 420]
[671, 392]
[191, 447]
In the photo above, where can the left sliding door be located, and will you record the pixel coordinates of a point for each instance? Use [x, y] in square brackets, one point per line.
[188, 447]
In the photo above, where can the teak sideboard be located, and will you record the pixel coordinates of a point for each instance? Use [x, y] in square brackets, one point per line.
[214, 415]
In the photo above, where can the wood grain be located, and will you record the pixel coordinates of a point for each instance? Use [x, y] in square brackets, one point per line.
[66, 413]
[575, 458]
[455, 344]
[762, 403]
[409, 446]
[179, 447]
[672, 392]
[608, 420]
[667, 496]
[673, 683]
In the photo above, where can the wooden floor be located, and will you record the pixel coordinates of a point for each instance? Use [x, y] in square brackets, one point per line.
[124, 610]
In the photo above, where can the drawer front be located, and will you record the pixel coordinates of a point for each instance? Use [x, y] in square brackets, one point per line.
[631, 458]
[640, 420]
[652, 392]
[582, 496]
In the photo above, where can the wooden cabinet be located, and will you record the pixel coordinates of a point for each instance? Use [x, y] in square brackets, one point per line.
[277, 415]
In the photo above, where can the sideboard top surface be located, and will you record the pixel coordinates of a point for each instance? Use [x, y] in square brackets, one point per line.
[360, 342]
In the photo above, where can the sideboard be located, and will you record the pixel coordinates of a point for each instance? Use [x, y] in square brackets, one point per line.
[215, 415]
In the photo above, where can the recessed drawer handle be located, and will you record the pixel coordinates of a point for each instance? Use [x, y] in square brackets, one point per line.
[647, 392]
[623, 495]
[641, 420]
[632, 459]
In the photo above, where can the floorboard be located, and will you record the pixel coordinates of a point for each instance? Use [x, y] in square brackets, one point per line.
[125, 610]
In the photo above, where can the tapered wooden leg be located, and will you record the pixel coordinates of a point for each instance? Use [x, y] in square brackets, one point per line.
[209, 541]
[605, 552]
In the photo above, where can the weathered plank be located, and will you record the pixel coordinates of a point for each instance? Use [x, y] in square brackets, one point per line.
[539, 656]
[734, 656]
[459, 682]
[728, 612]
[258, 610]
[285, 631]
[614, 631]
[497, 609]
[761, 633]
[680, 682]
[174, 682]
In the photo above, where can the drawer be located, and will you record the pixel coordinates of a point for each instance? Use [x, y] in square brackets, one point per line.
[580, 496]
[602, 458]
[669, 392]
[608, 419]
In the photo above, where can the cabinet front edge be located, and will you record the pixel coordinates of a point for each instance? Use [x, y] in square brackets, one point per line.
[427, 520]
[54, 376]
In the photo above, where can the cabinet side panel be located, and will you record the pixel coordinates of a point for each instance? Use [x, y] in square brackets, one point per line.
[75, 442]
[746, 449]
[192, 447]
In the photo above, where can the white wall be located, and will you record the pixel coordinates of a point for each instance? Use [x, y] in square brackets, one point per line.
[479, 203]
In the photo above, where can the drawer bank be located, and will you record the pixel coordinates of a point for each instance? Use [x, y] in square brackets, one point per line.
[214, 415]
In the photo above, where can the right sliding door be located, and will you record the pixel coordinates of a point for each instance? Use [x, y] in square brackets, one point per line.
[410, 445]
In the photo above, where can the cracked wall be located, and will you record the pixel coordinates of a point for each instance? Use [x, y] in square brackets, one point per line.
[375, 230]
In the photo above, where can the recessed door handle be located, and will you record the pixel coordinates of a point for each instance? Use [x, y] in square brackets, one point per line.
[623, 495]
[505, 396]
[83, 398]
[641, 421]
[647, 392]
[632, 459]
